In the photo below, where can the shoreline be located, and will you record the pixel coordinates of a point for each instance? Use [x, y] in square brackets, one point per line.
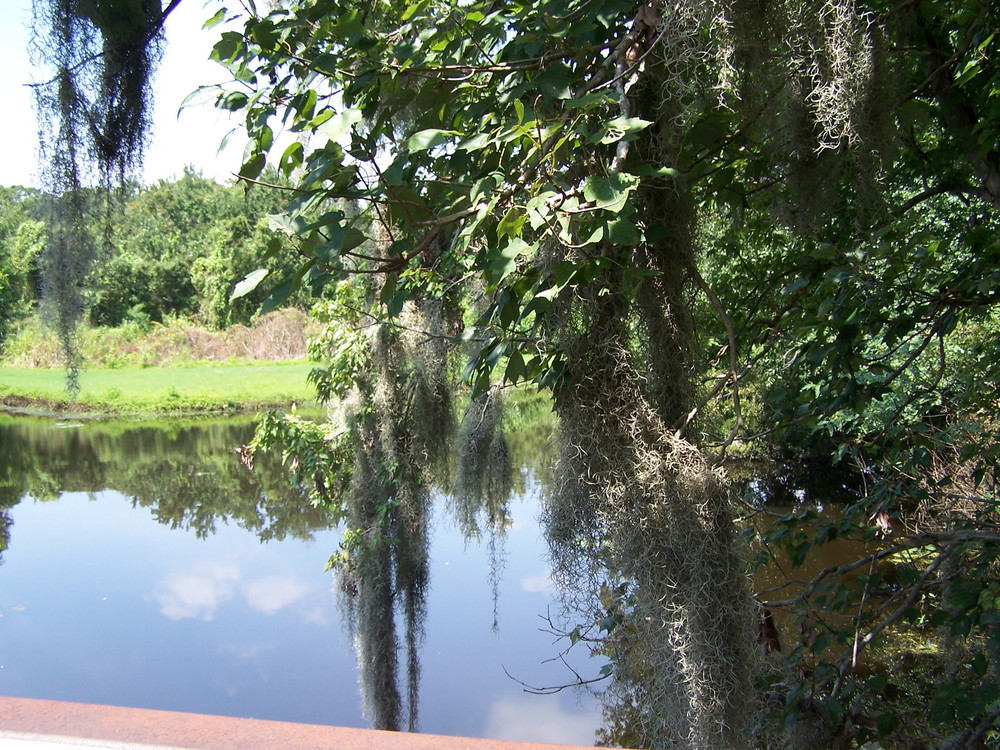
[21, 406]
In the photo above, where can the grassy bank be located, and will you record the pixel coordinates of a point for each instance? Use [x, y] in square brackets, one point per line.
[160, 390]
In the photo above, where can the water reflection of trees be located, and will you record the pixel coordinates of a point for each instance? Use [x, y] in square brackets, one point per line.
[187, 476]
[185, 473]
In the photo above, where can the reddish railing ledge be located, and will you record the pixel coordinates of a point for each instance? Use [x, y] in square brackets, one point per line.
[85, 725]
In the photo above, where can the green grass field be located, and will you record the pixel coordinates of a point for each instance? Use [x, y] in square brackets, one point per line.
[160, 390]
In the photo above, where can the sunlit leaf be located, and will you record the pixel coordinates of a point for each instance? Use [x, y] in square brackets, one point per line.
[428, 139]
[250, 282]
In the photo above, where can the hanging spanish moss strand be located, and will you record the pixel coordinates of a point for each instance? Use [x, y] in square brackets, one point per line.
[634, 504]
[639, 523]
[484, 479]
[397, 386]
[484, 482]
[825, 100]
[94, 118]
[366, 584]
[401, 420]
[387, 569]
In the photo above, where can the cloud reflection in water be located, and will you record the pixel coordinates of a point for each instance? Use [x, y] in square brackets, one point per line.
[198, 593]
[270, 594]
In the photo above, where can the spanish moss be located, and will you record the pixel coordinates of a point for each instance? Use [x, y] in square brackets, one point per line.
[94, 118]
[484, 481]
[401, 424]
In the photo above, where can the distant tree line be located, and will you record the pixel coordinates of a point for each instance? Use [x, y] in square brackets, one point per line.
[175, 249]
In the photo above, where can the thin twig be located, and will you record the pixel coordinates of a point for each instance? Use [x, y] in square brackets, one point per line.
[553, 689]
[733, 377]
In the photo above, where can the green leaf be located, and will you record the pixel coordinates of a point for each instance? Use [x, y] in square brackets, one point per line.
[252, 168]
[620, 128]
[284, 290]
[476, 142]
[491, 355]
[352, 238]
[291, 159]
[428, 139]
[264, 34]
[799, 283]
[388, 287]
[233, 100]
[395, 304]
[250, 282]
[343, 240]
[595, 236]
[413, 9]
[886, 723]
[609, 622]
[623, 232]
[504, 264]
[515, 371]
[215, 20]
[512, 223]
[339, 124]
[229, 46]
[611, 192]
[287, 224]
[540, 214]
[574, 636]
[519, 111]
[588, 101]
[979, 664]
[327, 64]
[278, 295]
[971, 70]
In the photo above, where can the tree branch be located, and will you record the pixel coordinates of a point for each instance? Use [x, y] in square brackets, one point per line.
[147, 38]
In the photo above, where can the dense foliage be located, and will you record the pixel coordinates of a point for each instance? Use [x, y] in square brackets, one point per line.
[180, 249]
[699, 225]
[835, 164]
[176, 249]
[21, 242]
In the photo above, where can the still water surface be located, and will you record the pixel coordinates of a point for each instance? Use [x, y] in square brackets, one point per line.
[145, 567]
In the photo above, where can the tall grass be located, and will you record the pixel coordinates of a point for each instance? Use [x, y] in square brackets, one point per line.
[278, 336]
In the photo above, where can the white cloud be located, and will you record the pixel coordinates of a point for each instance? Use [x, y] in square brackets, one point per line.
[540, 719]
[270, 594]
[197, 593]
[540, 583]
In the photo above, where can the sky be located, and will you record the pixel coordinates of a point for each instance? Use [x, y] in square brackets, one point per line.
[191, 137]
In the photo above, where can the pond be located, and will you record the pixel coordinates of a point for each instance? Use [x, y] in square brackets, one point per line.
[143, 566]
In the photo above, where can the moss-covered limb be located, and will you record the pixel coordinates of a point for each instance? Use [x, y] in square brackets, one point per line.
[634, 503]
